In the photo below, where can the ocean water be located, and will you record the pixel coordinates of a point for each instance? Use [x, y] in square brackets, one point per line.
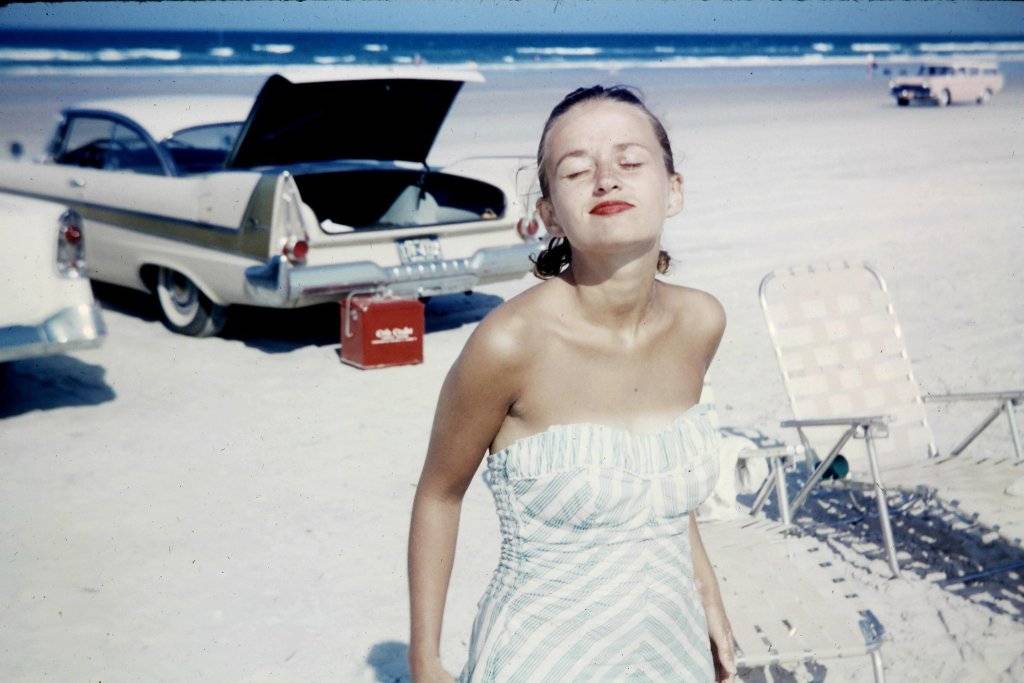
[70, 52]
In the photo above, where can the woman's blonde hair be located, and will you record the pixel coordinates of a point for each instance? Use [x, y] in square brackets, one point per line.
[558, 254]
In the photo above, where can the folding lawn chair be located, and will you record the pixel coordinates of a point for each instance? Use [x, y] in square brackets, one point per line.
[816, 617]
[847, 374]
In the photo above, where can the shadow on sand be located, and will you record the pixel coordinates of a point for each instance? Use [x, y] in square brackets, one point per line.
[937, 542]
[390, 662]
[128, 301]
[280, 330]
[455, 310]
[283, 330]
[50, 382]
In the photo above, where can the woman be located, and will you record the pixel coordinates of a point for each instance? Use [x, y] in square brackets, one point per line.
[584, 390]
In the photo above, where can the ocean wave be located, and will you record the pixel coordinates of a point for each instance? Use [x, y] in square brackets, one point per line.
[875, 47]
[688, 62]
[375, 47]
[560, 51]
[112, 55]
[822, 47]
[325, 71]
[221, 52]
[974, 46]
[664, 49]
[274, 48]
[44, 55]
[330, 59]
[507, 63]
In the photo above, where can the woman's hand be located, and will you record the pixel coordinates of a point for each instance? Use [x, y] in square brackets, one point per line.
[722, 652]
[431, 672]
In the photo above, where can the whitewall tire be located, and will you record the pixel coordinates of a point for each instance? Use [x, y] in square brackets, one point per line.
[184, 308]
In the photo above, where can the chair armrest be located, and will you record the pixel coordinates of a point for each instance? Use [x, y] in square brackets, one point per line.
[860, 420]
[771, 452]
[1016, 396]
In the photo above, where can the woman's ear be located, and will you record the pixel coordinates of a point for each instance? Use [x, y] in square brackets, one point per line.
[675, 194]
[547, 214]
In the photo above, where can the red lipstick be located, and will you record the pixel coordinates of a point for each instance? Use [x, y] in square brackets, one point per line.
[609, 208]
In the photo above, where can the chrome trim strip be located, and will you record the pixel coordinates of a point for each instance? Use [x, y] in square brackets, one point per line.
[279, 284]
[70, 329]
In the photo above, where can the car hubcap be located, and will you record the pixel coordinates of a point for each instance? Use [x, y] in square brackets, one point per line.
[179, 298]
[183, 293]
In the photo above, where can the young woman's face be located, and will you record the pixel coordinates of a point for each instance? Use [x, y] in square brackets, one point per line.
[608, 189]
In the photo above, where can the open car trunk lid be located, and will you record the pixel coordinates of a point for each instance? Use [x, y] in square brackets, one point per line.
[385, 119]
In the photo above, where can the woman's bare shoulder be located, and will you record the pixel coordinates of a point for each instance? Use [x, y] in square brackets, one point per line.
[508, 333]
[697, 309]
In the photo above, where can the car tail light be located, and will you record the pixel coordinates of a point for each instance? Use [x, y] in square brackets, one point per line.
[293, 217]
[70, 245]
[295, 251]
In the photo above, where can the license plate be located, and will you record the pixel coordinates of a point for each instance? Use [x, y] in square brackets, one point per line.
[419, 250]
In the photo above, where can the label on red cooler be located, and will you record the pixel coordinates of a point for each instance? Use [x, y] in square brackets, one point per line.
[393, 335]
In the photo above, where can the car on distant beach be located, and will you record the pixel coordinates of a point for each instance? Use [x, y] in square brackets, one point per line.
[47, 305]
[947, 82]
[316, 188]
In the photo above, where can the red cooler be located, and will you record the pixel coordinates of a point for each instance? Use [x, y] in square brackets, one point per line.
[377, 332]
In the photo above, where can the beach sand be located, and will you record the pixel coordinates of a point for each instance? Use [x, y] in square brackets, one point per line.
[237, 508]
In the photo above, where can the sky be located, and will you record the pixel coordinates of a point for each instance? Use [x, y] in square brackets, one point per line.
[937, 17]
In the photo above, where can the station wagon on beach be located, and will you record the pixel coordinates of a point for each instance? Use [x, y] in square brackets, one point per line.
[947, 82]
[47, 305]
[316, 188]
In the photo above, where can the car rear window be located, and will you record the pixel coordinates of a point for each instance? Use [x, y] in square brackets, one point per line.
[203, 148]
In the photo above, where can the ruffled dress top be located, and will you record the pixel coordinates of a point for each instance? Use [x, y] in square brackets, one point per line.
[595, 580]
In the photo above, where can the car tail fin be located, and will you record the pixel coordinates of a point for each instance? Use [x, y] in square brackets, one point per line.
[291, 217]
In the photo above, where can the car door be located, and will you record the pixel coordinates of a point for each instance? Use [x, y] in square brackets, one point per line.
[58, 181]
[131, 203]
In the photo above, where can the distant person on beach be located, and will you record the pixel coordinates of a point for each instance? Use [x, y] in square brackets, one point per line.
[584, 392]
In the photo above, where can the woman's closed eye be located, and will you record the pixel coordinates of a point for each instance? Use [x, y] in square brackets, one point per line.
[573, 173]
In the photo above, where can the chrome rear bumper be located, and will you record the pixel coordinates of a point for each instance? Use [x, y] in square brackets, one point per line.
[280, 284]
[70, 329]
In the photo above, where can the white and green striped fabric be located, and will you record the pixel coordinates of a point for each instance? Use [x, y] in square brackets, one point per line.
[595, 580]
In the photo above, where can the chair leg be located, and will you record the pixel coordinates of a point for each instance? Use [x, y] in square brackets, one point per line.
[762, 493]
[811, 456]
[876, 666]
[819, 471]
[780, 491]
[1014, 432]
[989, 419]
[883, 506]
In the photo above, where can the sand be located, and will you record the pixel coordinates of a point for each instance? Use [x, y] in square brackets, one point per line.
[237, 508]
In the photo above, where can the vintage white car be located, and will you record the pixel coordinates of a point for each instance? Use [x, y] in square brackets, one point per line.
[314, 189]
[947, 82]
[47, 305]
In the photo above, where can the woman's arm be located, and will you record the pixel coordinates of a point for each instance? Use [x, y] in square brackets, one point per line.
[712, 329]
[719, 629]
[472, 405]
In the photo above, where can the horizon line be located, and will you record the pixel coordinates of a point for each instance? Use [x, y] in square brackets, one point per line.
[822, 34]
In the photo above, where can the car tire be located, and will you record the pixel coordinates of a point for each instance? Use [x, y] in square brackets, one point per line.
[184, 308]
[945, 99]
[984, 97]
[902, 101]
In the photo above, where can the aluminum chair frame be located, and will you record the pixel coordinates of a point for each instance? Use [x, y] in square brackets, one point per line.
[871, 427]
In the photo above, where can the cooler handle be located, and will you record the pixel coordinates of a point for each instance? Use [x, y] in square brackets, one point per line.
[348, 305]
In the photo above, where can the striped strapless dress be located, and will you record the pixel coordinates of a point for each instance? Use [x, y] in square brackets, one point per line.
[595, 580]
